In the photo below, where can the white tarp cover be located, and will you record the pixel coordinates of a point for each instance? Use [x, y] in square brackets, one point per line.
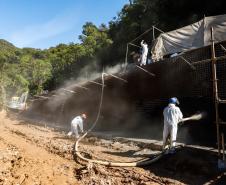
[190, 37]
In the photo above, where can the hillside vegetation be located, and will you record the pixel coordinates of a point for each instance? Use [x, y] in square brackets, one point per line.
[23, 69]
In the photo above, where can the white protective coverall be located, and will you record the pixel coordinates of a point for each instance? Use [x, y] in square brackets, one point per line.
[144, 53]
[172, 116]
[75, 123]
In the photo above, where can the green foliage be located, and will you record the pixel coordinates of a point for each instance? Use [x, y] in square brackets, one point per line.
[35, 70]
[22, 70]
[94, 39]
[8, 53]
[62, 58]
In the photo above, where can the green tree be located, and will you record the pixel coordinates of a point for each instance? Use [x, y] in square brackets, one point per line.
[35, 71]
[94, 39]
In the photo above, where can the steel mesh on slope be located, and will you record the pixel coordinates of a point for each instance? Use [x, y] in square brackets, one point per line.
[176, 77]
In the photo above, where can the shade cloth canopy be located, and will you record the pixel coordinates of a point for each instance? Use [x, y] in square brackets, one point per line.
[193, 36]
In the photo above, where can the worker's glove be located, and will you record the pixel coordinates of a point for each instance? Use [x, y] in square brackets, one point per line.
[181, 123]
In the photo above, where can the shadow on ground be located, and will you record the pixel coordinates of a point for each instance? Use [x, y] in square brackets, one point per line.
[188, 165]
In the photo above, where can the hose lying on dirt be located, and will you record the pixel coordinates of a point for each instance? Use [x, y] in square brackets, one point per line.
[143, 162]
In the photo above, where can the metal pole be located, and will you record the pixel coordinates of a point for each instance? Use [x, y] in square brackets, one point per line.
[126, 59]
[215, 90]
[134, 45]
[152, 74]
[159, 30]
[191, 65]
[153, 33]
[141, 35]
[108, 74]
[222, 141]
[91, 81]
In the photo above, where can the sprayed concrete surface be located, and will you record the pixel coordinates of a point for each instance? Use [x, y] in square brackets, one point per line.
[32, 154]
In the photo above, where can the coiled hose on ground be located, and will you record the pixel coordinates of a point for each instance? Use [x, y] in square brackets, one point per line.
[143, 162]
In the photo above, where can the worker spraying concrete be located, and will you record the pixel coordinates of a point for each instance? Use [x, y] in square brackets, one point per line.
[172, 118]
[77, 123]
[142, 162]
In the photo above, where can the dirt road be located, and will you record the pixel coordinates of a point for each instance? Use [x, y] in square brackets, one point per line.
[32, 154]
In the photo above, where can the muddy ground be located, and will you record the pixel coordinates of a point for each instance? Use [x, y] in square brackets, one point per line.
[32, 154]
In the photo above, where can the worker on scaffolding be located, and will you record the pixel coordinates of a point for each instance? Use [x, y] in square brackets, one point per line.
[144, 54]
[172, 116]
[76, 123]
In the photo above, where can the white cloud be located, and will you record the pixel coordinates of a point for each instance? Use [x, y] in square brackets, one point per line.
[37, 32]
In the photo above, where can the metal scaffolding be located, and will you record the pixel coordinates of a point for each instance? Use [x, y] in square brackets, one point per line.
[217, 100]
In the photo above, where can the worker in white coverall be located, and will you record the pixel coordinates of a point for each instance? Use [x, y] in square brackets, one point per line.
[76, 123]
[172, 116]
[144, 53]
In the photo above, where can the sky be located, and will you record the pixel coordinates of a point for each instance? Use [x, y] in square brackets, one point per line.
[47, 23]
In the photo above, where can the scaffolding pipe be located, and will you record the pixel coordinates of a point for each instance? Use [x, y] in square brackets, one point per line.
[134, 45]
[158, 29]
[223, 149]
[127, 50]
[145, 70]
[97, 83]
[209, 60]
[222, 47]
[126, 59]
[81, 87]
[142, 34]
[215, 90]
[153, 33]
[107, 74]
[191, 65]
